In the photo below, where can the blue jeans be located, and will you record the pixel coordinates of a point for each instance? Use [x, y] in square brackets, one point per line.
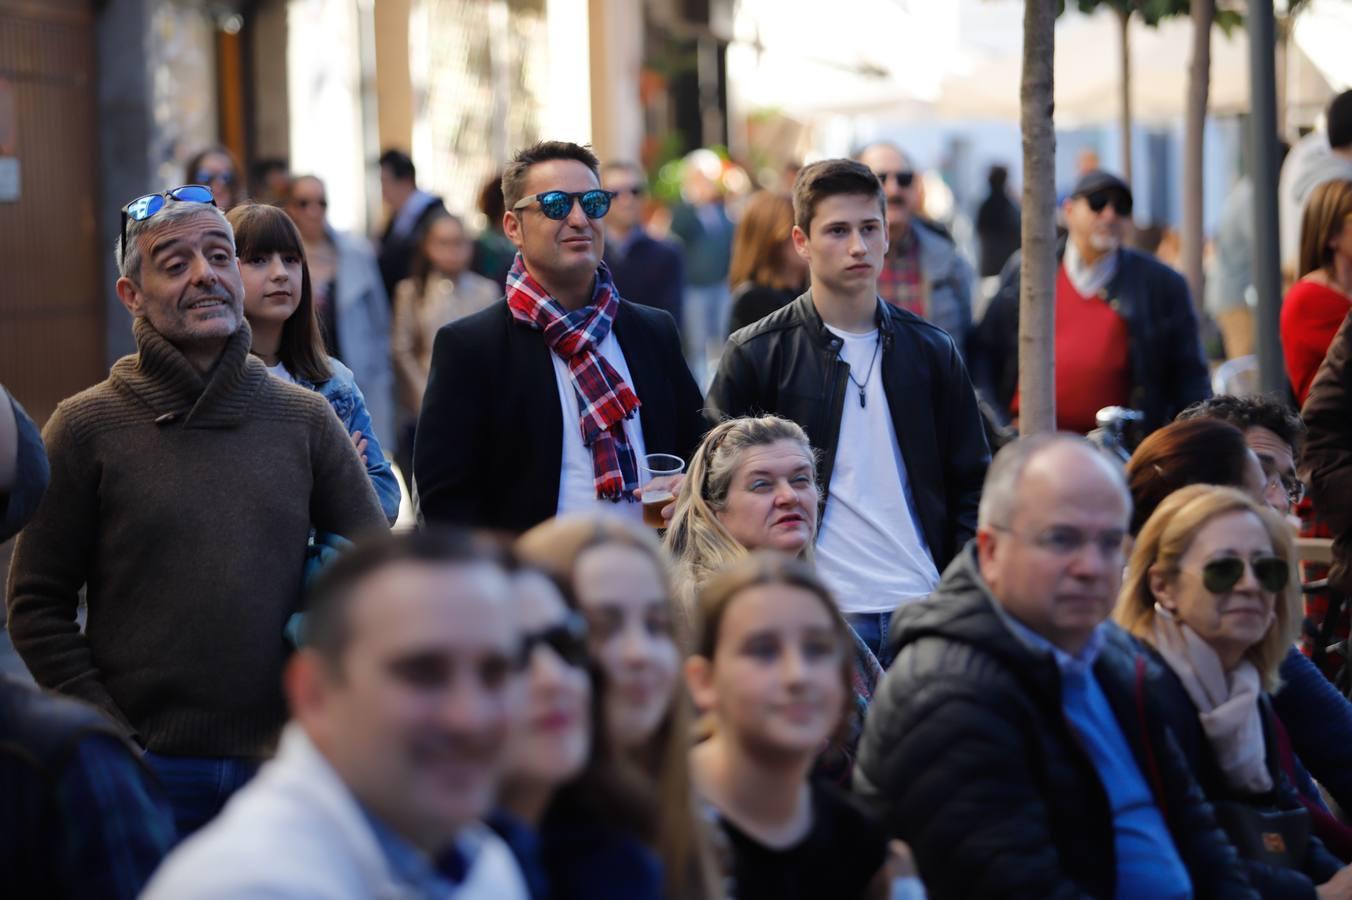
[199, 786]
[872, 630]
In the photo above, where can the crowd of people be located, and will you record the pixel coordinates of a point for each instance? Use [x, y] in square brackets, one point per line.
[870, 646]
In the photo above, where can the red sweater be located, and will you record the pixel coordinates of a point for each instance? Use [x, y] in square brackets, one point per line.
[1093, 368]
[1311, 314]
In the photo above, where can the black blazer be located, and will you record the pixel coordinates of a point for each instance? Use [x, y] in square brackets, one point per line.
[651, 273]
[489, 445]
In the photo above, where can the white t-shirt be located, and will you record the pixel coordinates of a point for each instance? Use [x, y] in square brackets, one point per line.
[869, 549]
[279, 371]
[577, 476]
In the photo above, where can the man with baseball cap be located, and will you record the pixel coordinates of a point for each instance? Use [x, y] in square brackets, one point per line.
[1126, 331]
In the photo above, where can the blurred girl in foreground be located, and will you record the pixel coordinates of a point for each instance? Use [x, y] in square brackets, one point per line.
[620, 575]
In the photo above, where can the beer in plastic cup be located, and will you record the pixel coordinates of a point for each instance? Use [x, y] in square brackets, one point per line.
[657, 475]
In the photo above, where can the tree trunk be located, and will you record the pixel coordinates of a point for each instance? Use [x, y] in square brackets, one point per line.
[1037, 289]
[1199, 86]
[1124, 19]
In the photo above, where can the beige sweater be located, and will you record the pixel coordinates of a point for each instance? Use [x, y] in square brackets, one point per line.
[417, 320]
[183, 504]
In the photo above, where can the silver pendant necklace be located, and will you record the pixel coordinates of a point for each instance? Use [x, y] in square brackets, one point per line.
[867, 375]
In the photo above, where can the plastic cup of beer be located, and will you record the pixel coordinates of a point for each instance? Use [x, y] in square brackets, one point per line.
[657, 475]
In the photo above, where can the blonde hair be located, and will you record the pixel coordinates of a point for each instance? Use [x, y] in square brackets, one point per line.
[1166, 537]
[696, 539]
[683, 844]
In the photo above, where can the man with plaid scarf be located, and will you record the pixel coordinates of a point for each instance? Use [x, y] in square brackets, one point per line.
[546, 402]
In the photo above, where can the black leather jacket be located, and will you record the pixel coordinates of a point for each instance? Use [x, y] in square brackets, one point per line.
[968, 756]
[789, 364]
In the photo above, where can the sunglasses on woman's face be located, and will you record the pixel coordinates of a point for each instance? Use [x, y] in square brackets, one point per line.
[1220, 575]
[567, 638]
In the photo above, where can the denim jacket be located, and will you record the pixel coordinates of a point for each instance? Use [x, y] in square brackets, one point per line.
[347, 401]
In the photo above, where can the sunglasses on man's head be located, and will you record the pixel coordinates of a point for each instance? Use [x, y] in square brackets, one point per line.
[147, 205]
[1220, 575]
[903, 179]
[557, 205]
[1097, 200]
[567, 638]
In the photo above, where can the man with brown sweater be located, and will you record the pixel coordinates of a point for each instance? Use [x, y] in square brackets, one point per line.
[183, 491]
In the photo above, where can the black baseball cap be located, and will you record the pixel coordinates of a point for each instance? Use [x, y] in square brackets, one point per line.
[1099, 180]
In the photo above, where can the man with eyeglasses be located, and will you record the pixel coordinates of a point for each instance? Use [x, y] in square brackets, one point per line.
[546, 402]
[1126, 330]
[645, 270]
[1008, 745]
[183, 494]
[402, 699]
[923, 271]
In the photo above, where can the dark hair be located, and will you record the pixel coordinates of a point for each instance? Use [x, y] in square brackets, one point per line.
[997, 177]
[1339, 118]
[195, 163]
[1193, 451]
[1326, 211]
[259, 172]
[514, 176]
[261, 230]
[327, 598]
[421, 268]
[1258, 411]
[607, 789]
[828, 178]
[399, 164]
[490, 201]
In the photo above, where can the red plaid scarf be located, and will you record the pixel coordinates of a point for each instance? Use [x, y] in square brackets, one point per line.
[604, 401]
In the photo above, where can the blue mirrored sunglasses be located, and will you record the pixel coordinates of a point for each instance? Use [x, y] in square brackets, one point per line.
[558, 204]
[144, 207]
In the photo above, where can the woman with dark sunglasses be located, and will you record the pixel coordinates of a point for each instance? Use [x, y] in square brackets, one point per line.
[1211, 588]
[577, 822]
[216, 168]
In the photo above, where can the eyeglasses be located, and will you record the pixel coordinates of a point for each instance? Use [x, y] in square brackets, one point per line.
[557, 205]
[568, 640]
[1065, 540]
[205, 176]
[1220, 575]
[1294, 487]
[1097, 200]
[903, 179]
[144, 207]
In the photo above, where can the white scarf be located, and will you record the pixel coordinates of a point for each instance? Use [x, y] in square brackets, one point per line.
[1088, 278]
[1227, 705]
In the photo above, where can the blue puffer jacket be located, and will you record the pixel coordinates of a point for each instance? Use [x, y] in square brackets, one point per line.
[347, 401]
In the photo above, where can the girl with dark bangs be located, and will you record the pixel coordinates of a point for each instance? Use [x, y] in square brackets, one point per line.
[279, 305]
